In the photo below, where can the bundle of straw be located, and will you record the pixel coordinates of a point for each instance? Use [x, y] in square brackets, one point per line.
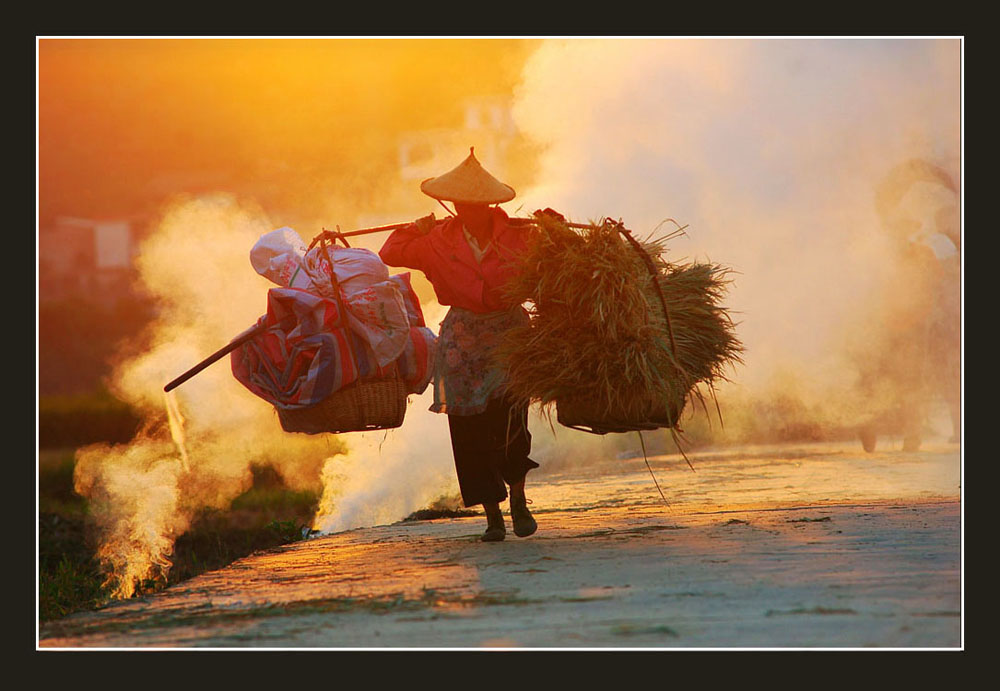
[600, 344]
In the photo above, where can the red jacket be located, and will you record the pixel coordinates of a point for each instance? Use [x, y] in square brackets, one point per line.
[444, 256]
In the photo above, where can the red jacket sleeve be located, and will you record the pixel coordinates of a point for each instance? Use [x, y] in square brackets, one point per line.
[406, 247]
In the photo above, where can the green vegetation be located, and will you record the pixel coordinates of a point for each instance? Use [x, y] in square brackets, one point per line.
[265, 516]
[71, 420]
[68, 577]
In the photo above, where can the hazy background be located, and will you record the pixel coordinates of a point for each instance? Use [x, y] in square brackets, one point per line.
[771, 151]
[160, 162]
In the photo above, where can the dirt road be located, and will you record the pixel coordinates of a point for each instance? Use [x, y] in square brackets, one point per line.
[782, 546]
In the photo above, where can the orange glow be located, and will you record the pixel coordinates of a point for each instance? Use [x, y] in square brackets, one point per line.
[126, 122]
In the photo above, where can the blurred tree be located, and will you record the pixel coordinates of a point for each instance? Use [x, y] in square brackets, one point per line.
[78, 337]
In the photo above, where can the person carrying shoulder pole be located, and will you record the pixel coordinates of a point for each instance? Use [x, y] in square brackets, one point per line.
[467, 258]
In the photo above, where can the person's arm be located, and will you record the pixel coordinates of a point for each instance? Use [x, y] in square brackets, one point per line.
[409, 245]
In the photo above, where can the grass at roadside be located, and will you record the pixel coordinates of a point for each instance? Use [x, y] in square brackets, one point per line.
[85, 418]
[69, 578]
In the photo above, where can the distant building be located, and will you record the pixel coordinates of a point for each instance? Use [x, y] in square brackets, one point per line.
[487, 125]
[87, 258]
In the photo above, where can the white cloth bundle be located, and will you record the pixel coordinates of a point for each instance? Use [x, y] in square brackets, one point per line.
[375, 307]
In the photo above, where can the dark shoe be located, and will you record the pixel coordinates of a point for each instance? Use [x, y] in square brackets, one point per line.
[494, 534]
[524, 523]
[495, 530]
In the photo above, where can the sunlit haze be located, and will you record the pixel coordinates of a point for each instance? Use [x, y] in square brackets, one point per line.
[769, 150]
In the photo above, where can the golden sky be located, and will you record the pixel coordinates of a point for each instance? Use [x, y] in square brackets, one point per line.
[123, 122]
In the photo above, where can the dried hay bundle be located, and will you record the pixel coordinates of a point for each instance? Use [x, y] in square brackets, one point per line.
[600, 345]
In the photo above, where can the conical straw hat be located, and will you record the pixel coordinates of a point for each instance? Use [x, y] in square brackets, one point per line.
[468, 183]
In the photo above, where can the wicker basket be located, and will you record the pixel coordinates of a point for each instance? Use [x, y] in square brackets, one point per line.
[584, 414]
[362, 406]
[359, 407]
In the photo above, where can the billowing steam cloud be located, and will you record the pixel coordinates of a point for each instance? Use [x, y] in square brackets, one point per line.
[771, 150]
[389, 474]
[199, 442]
[144, 494]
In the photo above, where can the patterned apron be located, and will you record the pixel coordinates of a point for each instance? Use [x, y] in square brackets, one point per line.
[465, 376]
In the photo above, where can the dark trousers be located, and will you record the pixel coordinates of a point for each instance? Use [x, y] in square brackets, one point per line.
[491, 449]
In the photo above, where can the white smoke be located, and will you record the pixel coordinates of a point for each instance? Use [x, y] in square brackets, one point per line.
[768, 149]
[386, 475]
[198, 444]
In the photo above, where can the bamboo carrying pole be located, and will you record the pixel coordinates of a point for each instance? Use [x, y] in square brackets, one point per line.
[330, 235]
[397, 226]
[217, 355]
